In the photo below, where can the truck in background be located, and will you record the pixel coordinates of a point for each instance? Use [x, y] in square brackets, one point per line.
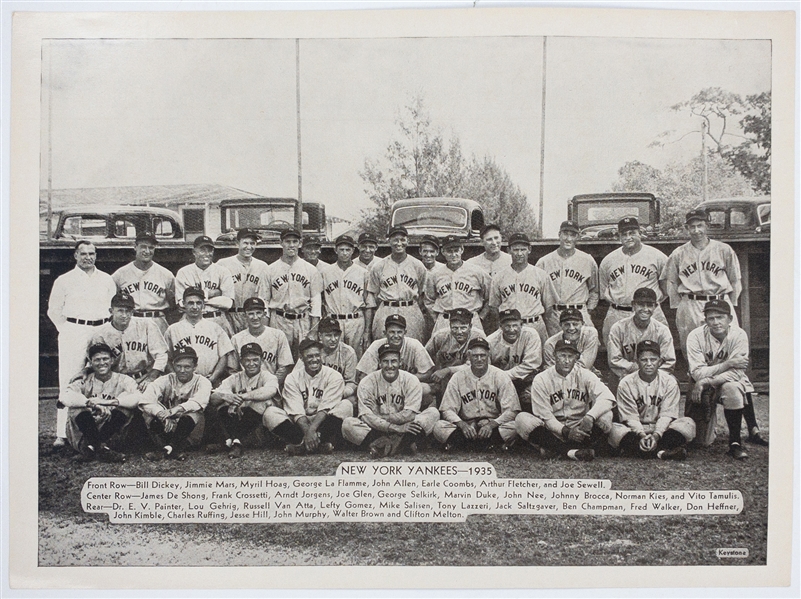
[597, 214]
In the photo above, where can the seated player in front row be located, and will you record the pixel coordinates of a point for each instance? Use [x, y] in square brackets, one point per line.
[585, 337]
[479, 405]
[242, 398]
[173, 407]
[517, 350]
[99, 406]
[572, 408]
[311, 420]
[390, 420]
[648, 404]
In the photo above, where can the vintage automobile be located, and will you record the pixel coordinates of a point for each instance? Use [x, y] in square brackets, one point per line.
[270, 216]
[597, 214]
[110, 224]
[438, 217]
[739, 215]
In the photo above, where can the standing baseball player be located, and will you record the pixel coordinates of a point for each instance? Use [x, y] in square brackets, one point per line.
[574, 275]
[395, 286]
[516, 350]
[368, 244]
[78, 303]
[429, 250]
[572, 408]
[214, 280]
[458, 285]
[699, 271]
[344, 291]
[294, 290]
[626, 334]
[492, 259]
[648, 404]
[310, 252]
[718, 355]
[479, 405]
[523, 287]
[150, 284]
[632, 266]
[448, 348]
[573, 328]
[276, 356]
[390, 416]
[173, 407]
[311, 419]
[99, 406]
[210, 344]
[242, 398]
[248, 274]
[137, 345]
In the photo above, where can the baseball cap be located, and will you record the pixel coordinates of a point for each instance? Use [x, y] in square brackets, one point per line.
[430, 240]
[648, 345]
[395, 319]
[329, 325]
[97, 348]
[290, 233]
[452, 240]
[310, 241]
[254, 303]
[203, 240]
[513, 314]
[569, 225]
[478, 342]
[194, 291]
[519, 238]
[368, 238]
[644, 294]
[308, 344]
[719, 306]
[487, 228]
[148, 237]
[123, 300]
[627, 224]
[461, 315]
[398, 230]
[570, 314]
[567, 344]
[387, 349]
[345, 240]
[696, 214]
[245, 233]
[254, 349]
[184, 352]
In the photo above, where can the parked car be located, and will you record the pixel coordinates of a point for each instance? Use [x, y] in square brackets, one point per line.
[109, 224]
[597, 214]
[739, 215]
[270, 216]
[438, 217]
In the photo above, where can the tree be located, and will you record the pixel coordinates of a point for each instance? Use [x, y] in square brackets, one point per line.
[421, 163]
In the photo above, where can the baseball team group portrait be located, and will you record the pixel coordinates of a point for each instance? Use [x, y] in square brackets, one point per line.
[268, 257]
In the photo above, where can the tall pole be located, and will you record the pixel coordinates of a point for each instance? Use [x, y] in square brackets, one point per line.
[704, 158]
[299, 207]
[46, 50]
[542, 135]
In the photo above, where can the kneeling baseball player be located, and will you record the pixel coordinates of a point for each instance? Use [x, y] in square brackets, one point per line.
[572, 408]
[648, 404]
[390, 420]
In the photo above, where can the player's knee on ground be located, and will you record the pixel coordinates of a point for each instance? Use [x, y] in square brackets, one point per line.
[355, 430]
[525, 424]
[427, 419]
[732, 396]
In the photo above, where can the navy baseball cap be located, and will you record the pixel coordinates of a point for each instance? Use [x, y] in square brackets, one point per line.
[643, 294]
[386, 348]
[648, 345]
[184, 352]
[247, 233]
[310, 241]
[308, 344]
[451, 241]
[397, 230]
[696, 214]
[627, 224]
[329, 325]
[430, 240]
[290, 233]
[513, 314]
[478, 342]
[571, 314]
[194, 291]
[345, 240]
[519, 238]
[146, 237]
[719, 306]
[368, 238]
[98, 348]
[254, 303]
[567, 344]
[123, 300]
[569, 225]
[395, 319]
[203, 240]
[253, 349]
[461, 315]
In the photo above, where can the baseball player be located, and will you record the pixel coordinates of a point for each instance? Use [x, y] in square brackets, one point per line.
[310, 251]
[429, 250]
[173, 407]
[458, 285]
[276, 356]
[523, 287]
[641, 325]
[516, 350]
[337, 355]
[213, 279]
[395, 286]
[248, 274]
[492, 259]
[311, 419]
[150, 284]
[344, 285]
[574, 275]
[99, 406]
[572, 408]
[448, 348]
[701, 270]
[243, 397]
[78, 303]
[717, 354]
[648, 405]
[368, 244]
[210, 343]
[479, 405]
[630, 267]
[390, 416]
[573, 328]
[137, 345]
[294, 290]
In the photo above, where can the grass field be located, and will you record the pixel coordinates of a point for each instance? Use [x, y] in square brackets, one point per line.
[68, 536]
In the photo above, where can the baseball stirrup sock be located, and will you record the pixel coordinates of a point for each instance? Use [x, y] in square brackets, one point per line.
[734, 418]
[86, 424]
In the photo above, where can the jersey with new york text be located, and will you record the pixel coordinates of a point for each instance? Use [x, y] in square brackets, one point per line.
[396, 281]
[573, 278]
[206, 337]
[137, 349]
[343, 290]
[466, 287]
[274, 346]
[151, 289]
[706, 354]
[296, 287]
[621, 274]
[250, 279]
[530, 291]
[490, 396]
[625, 335]
[518, 359]
[119, 386]
[711, 271]
[306, 395]
[648, 407]
[564, 400]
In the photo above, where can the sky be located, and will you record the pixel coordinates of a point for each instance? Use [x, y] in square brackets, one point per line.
[165, 112]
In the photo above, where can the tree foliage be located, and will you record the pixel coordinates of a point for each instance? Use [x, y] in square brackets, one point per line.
[420, 162]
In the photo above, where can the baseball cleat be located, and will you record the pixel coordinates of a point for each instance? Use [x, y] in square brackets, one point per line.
[236, 451]
[155, 456]
[295, 450]
[737, 452]
[109, 455]
[59, 443]
[177, 456]
[380, 448]
[756, 439]
[584, 455]
[678, 454]
[326, 448]
[214, 448]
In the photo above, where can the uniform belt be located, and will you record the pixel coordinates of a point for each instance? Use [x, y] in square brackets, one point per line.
[529, 320]
[569, 306]
[398, 303]
[148, 313]
[345, 316]
[622, 308]
[290, 315]
[214, 314]
[704, 298]
[89, 323]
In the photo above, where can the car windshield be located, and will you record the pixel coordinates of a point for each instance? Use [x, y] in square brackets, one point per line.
[592, 214]
[84, 226]
[260, 217]
[764, 214]
[439, 217]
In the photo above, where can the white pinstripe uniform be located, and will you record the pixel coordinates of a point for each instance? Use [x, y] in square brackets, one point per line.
[587, 344]
[519, 359]
[344, 293]
[413, 357]
[492, 267]
[530, 292]
[622, 343]
[137, 349]
[167, 391]
[210, 279]
[206, 337]
[274, 346]
[152, 289]
[403, 282]
[466, 287]
[574, 279]
[250, 280]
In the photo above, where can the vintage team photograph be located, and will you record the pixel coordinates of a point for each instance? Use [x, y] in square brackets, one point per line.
[269, 257]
